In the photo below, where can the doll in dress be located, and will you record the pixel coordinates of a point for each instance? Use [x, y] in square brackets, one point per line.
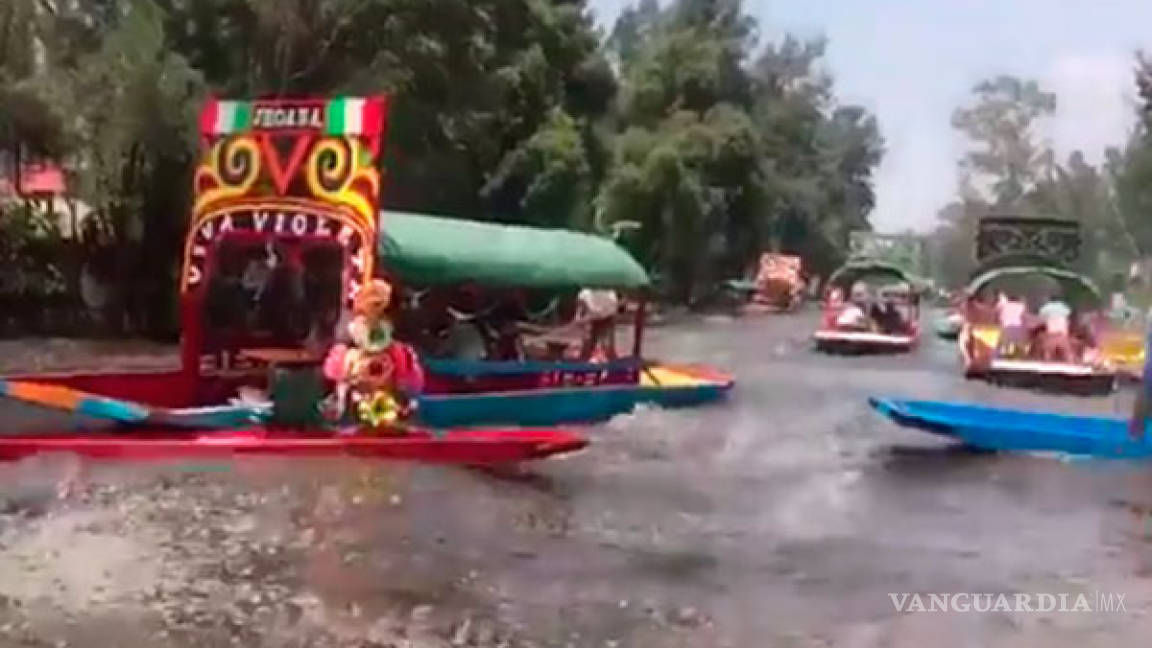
[379, 376]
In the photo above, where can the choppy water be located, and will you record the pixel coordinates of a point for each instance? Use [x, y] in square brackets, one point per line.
[783, 517]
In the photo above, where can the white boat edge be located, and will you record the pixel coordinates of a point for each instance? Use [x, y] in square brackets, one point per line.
[860, 336]
[1033, 366]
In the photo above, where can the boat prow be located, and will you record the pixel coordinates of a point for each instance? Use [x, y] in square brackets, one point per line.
[991, 428]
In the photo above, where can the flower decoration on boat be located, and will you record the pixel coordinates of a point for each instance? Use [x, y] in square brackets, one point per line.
[379, 410]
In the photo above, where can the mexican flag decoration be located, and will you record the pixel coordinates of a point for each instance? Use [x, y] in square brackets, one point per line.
[354, 116]
[339, 117]
[226, 117]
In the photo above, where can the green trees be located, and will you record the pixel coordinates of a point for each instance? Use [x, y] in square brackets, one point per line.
[719, 155]
[511, 109]
[1009, 170]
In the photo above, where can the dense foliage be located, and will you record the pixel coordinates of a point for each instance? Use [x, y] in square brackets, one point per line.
[1010, 170]
[678, 129]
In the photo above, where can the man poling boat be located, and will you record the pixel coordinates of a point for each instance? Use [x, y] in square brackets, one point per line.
[281, 249]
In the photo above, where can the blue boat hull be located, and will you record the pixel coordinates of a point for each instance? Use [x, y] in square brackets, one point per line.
[560, 405]
[1017, 430]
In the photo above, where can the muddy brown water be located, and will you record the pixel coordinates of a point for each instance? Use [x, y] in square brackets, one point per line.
[783, 517]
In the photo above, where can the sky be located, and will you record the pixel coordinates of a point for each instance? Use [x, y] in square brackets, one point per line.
[912, 62]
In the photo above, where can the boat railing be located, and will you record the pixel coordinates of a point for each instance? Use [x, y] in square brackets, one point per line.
[451, 367]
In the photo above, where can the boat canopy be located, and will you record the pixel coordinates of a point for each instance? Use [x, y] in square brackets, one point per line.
[1079, 288]
[434, 250]
[854, 271]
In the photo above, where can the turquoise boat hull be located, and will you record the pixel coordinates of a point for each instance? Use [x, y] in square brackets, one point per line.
[560, 405]
[990, 428]
[76, 409]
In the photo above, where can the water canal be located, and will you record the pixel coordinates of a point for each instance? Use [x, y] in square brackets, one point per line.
[785, 517]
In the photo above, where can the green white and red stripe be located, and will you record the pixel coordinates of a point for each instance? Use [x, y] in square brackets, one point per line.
[357, 116]
[226, 117]
[354, 116]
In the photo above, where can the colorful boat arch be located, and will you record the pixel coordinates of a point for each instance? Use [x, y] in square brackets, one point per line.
[288, 168]
[294, 175]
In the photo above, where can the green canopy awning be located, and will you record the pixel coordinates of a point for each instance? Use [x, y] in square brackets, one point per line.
[431, 250]
[1078, 289]
[857, 270]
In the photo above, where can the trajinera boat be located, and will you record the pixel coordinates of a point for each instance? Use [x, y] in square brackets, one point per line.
[990, 428]
[282, 246]
[1029, 262]
[779, 284]
[870, 306]
[429, 253]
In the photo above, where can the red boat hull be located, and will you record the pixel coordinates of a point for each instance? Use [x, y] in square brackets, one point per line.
[457, 447]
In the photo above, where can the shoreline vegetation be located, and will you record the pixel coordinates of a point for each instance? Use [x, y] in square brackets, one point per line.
[682, 130]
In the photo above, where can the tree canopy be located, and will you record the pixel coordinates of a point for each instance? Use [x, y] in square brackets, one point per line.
[1009, 169]
[711, 145]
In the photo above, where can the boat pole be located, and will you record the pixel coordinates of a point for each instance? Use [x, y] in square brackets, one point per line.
[638, 327]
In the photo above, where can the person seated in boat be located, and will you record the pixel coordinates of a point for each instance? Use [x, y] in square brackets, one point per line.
[597, 309]
[1056, 339]
[980, 309]
[503, 321]
[258, 271]
[1011, 312]
[886, 313]
[835, 297]
[833, 303]
[854, 315]
[378, 374]
[463, 341]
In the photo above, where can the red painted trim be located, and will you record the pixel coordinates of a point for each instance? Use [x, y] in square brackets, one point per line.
[462, 446]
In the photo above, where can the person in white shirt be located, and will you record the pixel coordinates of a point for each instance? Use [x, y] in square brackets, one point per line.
[598, 309]
[1010, 312]
[854, 314]
[852, 317]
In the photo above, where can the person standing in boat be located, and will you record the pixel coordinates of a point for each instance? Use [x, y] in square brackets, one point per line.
[1057, 341]
[598, 308]
[1141, 409]
[1010, 313]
